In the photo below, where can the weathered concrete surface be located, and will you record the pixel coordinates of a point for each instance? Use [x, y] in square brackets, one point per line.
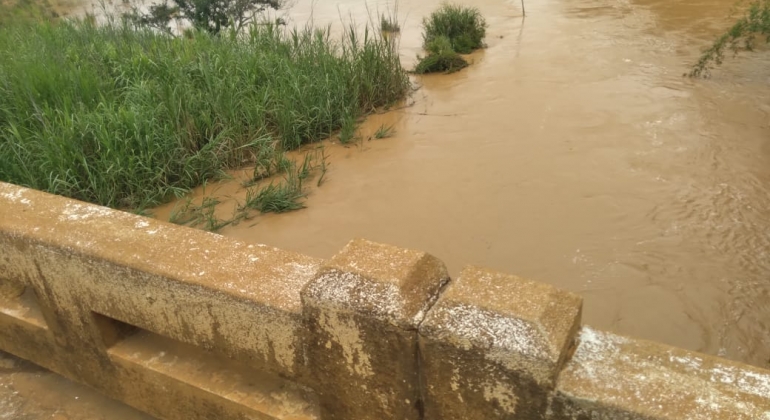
[193, 286]
[93, 274]
[194, 378]
[24, 331]
[10, 289]
[29, 392]
[612, 377]
[362, 312]
[492, 346]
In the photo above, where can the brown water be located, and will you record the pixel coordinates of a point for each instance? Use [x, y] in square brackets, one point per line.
[572, 152]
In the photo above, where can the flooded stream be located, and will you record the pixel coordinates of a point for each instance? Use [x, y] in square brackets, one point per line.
[573, 152]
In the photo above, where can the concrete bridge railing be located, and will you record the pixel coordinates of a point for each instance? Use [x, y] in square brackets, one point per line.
[185, 324]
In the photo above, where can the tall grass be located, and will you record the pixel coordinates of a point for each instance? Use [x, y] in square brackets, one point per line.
[389, 24]
[125, 117]
[464, 26]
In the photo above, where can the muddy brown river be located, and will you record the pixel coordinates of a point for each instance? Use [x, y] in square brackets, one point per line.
[573, 152]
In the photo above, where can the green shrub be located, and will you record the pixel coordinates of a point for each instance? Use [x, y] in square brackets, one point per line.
[448, 62]
[441, 58]
[463, 26]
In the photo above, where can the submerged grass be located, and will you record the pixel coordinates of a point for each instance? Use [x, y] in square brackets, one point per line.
[127, 117]
[288, 194]
[384, 131]
[441, 58]
[447, 62]
[448, 32]
[202, 215]
[277, 198]
[276, 195]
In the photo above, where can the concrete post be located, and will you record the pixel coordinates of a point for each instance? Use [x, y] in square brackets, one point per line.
[492, 345]
[362, 313]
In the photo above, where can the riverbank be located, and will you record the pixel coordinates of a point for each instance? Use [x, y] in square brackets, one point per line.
[128, 117]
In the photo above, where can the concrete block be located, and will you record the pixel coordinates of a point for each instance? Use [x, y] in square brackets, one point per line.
[611, 377]
[362, 313]
[492, 345]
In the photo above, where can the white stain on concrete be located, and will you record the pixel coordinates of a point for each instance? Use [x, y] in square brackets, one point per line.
[347, 335]
[645, 376]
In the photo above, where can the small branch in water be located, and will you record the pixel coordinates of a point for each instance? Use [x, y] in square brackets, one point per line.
[385, 111]
[523, 10]
[438, 115]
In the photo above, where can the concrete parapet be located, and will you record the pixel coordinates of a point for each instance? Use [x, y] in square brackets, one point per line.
[184, 324]
[492, 346]
[97, 278]
[612, 377]
[362, 312]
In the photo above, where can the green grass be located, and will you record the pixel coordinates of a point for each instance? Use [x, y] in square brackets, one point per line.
[389, 24]
[441, 58]
[201, 215]
[277, 198]
[269, 196]
[384, 131]
[448, 32]
[463, 26]
[128, 117]
[448, 62]
[269, 160]
[348, 129]
[286, 195]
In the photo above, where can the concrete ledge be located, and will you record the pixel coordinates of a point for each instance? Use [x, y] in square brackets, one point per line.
[613, 377]
[493, 344]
